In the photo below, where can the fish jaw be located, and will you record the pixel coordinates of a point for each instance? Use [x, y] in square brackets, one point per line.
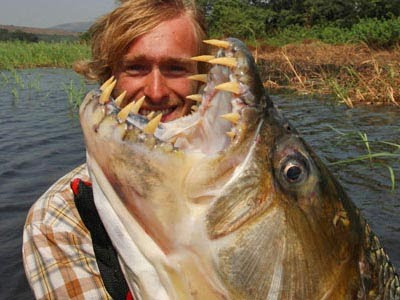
[166, 191]
[139, 174]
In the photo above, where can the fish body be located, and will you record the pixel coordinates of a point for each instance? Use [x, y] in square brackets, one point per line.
[230, 202]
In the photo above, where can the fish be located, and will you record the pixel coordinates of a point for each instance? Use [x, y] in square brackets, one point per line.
[228, 202]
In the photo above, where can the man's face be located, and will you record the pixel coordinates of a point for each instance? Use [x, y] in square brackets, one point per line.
[156, 66]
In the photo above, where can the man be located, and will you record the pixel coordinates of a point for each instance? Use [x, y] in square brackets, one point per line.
[146, 45]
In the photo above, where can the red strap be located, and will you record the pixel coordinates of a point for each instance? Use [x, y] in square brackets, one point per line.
[129, 296]
[75, 185]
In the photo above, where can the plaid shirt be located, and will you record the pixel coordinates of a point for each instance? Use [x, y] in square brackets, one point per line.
[58, 254]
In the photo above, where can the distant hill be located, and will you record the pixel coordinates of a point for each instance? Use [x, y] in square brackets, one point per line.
[39, 31]
[73, 27]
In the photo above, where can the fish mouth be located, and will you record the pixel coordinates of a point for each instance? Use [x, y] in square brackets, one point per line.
[230, 98]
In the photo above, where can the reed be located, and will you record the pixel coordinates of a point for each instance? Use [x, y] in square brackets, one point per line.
[19, 82]
[388, 158]
[75, 92]
[18, 54]
[34, 83]
[15, 93]
[355, 74]
[4, 79]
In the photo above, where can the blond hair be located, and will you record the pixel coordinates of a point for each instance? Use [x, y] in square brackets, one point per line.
[112, 34]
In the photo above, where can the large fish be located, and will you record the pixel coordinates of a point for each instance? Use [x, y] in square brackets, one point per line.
[228, 202]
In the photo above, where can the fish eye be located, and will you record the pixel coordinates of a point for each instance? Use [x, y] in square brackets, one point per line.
[294, 169]
[293, 172]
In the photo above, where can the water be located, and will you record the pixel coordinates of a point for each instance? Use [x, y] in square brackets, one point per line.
[40, 140]
[369, 185]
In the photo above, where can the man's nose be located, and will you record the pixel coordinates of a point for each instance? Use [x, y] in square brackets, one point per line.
[156, 89]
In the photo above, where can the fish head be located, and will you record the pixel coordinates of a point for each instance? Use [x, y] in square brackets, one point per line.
[233, 184]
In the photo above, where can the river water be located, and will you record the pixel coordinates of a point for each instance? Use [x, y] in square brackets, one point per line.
[40, 140]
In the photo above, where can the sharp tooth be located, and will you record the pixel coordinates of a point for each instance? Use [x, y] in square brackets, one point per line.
[199, 77]
[231, 86]
[231, 134]
[218, 43]
[105, 95]
[203, 58]
[119, 99]
[106, 83]
[232, 117]
[195, 97]
[173, 139]
[194, 108]
[150, 115]
[151, 127]
[124, 113]
[225, 61]
[138, 105]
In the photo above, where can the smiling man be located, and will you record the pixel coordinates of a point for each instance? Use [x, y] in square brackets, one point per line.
[146, 45]
[156, 66]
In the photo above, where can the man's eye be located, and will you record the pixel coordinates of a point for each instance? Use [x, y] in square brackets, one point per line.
[137, 68]
[175, 70]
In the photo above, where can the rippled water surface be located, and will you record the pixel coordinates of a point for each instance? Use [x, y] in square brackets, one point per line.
[40, 140]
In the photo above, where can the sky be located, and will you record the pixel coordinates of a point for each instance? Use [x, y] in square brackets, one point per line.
[47, 13]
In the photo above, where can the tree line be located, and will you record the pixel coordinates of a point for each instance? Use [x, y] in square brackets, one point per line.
[6, 35]
[262, 18]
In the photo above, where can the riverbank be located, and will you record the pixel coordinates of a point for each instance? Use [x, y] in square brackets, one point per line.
[354, 73]
[18, 54]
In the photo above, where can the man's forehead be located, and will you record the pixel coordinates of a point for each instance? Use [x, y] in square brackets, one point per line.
[173, 39]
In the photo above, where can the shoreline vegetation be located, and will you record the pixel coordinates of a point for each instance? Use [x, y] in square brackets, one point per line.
[23, 54]
[358, 64]
[352, 73]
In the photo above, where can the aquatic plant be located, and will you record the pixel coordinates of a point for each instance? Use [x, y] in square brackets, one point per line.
[15, 93]
[340, 91]
[386, 159]
[34, 83]
[75, 92]
[4, 79]
[17, 78]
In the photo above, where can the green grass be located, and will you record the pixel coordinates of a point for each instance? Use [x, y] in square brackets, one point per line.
[18, 54]
[386, 159]
[75, 92]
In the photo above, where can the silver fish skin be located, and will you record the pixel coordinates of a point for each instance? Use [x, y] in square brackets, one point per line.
[239, 206]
